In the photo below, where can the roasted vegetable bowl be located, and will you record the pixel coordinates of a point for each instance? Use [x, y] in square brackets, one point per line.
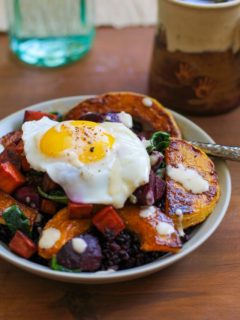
[139, 205]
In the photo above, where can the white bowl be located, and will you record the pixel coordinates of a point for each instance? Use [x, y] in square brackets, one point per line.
[200, 234]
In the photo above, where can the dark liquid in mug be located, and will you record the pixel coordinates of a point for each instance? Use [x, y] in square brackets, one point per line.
[196, 83]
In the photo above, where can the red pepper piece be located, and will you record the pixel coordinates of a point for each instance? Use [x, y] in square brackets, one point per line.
[31, 115]
[48, 206]
[107, 220]
[10, 177]
[22, 245]
[79, 210]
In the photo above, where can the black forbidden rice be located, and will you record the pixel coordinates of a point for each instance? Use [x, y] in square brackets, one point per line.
[124, 251]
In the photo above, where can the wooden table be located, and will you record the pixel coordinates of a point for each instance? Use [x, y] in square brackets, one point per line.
[204, 285]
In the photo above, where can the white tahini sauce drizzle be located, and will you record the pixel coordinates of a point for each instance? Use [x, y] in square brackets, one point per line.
[147, 212]
[189, 178]
[1, 148]
[49, 237]
[126, 119]
[79, 245]
[164, 228]
[179, 214]
[147, 102]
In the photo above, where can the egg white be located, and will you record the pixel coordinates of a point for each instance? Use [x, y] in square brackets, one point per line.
[110, 180]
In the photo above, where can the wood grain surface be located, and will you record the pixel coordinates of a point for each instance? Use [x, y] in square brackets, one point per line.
[204, 285]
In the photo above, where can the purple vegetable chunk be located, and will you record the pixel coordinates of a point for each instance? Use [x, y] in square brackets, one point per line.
[145, 135]
[112, 117]
[137, 127]
[93, 116]
[159, 188]
[151, 192]
[28, 196]
[89, 260]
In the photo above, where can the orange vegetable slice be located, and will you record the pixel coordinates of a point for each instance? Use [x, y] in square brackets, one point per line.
[68, 228]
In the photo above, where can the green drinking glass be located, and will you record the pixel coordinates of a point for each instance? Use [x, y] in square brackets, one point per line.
[50, 33]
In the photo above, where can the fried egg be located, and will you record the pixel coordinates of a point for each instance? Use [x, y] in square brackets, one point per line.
[99, 163]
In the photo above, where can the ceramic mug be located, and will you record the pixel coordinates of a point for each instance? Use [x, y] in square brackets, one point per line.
[196, 58]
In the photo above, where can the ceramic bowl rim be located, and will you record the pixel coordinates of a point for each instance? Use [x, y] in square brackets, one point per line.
[124, 275]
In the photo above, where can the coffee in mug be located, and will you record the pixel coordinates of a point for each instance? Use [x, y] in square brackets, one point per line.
[196, 59]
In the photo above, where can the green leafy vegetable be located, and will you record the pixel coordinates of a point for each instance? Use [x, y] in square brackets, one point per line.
[57, 196]
[59, 115]
[159, 141]
[16, 220]
[55, 266]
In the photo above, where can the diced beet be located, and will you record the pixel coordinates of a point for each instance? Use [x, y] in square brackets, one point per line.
[31, 115]
[10, 177]
[48, 206]
[137, 127]
[48, 184]
[145, 195]
[79, 210]
[22, 245]
[89, 260]
[93, 116]
[151, 192]
[159, 188]
[107, 220]
[29, 196]
[101, 117]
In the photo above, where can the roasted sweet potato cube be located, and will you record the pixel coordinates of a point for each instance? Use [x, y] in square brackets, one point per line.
[22, 245]
[7, 201]
[31, 115]
[107, 220]
[79, 210]
[48, 206]
[11, 178]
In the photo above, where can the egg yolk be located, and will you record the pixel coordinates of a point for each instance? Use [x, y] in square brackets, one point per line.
[85, 138]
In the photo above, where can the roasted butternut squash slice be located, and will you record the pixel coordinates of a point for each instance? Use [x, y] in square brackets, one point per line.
[67, 229]
[193, 207]
[152, 230]
[142, 107]
[7, 201]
